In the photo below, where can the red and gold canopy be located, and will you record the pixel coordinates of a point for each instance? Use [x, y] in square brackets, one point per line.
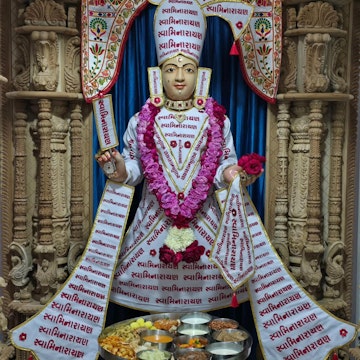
[106, 24]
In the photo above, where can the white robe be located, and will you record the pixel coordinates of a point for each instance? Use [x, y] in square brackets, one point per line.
[141, 280]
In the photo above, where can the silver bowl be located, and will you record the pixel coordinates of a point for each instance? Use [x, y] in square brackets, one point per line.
[228, 351]
[193, 330]
[181, 342]
[196, 318]
[159, 339]
[154, 354]
[180, 354]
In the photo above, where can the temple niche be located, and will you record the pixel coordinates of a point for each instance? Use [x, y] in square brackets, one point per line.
[46, 170]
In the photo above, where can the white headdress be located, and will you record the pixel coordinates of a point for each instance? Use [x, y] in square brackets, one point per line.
[180, 25]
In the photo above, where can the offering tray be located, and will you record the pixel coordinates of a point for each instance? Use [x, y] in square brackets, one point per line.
[111, 349]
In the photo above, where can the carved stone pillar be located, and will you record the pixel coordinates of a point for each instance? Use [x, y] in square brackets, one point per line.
[311, 124]
[311, 273]
[334, 255]
[20, 249]
[49, 188]
[280, 236]
[299, 153]
[77, 201]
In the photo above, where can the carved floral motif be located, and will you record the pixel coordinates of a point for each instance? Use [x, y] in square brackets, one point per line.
[45, 12]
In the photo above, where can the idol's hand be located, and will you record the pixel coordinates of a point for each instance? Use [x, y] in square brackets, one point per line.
[246, 179]
[113, 164]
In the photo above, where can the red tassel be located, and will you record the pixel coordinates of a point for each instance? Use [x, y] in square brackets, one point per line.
[234, 302]
[234, 50]
[335, 356]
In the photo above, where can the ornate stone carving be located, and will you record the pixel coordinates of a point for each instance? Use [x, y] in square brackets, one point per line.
[3, 319]
[314, 194]
[337, 65]
[334, 249]
[45, 12]
[77, 201]
[299, 186]
[311, 276]
[46, 278]
[6, 352]
[280, 239]
[289, 68]
[72, 65]
[297, 240]
[334, 270]
[21, 265]
[316, 48]
[72, 23]
[21, 80]
[318, 15]
[45, 53]
[290, 18]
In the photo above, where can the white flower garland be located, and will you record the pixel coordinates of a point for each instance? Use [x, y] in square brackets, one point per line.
[179, 239]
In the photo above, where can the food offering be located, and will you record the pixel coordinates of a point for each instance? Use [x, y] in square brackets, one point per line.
[223, 323]
[196, 318]
[167, 337]
[192, 354]
[167, 321]
[160, 339]
[225, 351]
[230, 335]
[193, 330]
[187, 341]
[153, 354]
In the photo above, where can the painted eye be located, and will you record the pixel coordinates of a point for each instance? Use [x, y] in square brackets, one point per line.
[170, 69]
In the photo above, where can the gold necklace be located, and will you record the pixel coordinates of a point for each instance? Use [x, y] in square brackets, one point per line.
[178, 106]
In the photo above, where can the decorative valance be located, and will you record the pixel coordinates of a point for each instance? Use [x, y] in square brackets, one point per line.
[106, 25]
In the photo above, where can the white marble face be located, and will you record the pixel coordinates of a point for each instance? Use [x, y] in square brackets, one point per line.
[179, 76]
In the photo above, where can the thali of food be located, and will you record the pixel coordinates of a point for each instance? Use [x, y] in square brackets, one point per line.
[175, 336]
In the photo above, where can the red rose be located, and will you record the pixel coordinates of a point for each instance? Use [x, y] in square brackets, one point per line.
[177, 258]
[258, 157]
[253, 167]
[243, 160]
[193, 252]
[169, 256]
[166, 254]
[252, 163]
[181, 221]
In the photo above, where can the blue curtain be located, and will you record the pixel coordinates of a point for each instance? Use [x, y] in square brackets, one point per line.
[245, 109]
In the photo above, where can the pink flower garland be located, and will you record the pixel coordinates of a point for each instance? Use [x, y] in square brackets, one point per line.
[184, 212]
